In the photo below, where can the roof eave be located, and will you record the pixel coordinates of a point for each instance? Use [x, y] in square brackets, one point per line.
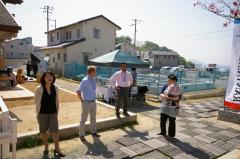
[13, 1]
[85, 20]
[12, 29]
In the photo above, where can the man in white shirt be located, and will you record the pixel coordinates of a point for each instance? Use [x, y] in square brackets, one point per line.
[122, 81]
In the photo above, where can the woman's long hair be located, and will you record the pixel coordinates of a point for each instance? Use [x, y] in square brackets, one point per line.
[42, 80]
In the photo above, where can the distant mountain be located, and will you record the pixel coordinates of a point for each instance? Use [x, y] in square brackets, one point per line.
[198, 62]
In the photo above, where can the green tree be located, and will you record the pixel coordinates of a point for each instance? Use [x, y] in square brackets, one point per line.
[148, 46]
[190, 64]
[164, 48]
[182, 60]
[122, 39]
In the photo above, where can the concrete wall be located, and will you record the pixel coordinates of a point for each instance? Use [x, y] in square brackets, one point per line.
[18, 48]
[57, 63]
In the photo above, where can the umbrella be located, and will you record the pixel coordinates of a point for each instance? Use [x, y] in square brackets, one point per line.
[115, 58]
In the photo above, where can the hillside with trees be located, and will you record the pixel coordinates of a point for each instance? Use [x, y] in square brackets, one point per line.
[149, 45]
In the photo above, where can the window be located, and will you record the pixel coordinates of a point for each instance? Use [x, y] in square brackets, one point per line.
[165, 57]
[173, 57]
[11, 46]
[12, 53]
[22, 54]
[57, 35]
[169, 57]
[78, 33]
[69, 35]
[20, 43]
[53, 60]
[59, 57]
[96, 33]
[85, 59]
[64, 57]
[51, 37]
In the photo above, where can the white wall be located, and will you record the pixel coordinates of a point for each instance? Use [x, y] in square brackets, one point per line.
[62, 34]
[18, 49]
[91, 46]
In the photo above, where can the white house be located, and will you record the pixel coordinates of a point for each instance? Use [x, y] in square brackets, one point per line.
[80, 42]
[128, 48]
[18, 48]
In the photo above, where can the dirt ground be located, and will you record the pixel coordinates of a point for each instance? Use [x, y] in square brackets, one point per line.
[70, 113]
[63, 96]
[70, 110]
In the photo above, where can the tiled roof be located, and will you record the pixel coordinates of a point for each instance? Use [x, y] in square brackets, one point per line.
[7, 21]
[64, 45]
[85, 20]
[171, 53]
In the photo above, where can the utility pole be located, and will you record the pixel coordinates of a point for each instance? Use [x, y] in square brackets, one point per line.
[47, 9]
[135, 34]
[55, 23]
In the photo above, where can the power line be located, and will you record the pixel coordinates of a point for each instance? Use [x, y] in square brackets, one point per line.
[210, 38]
[135, 33]
[195, 35]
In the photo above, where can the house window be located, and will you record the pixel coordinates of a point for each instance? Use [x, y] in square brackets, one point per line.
[78, 33]
[69, 35]
[173, 57]
[59, 57]
[96, 33]
[169, 57]
[20, 43]
[51, 37]
[85, 59]
[57, 35]
[11, 46]
[53, 60]
[12, 53]
[64, 57]
[165, 57]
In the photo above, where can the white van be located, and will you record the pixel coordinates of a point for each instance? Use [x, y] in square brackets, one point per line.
[165, 69]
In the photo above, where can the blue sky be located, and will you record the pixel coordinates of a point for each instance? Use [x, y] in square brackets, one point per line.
[191, 31]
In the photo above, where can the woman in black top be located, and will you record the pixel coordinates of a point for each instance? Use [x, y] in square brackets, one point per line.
[47, 105]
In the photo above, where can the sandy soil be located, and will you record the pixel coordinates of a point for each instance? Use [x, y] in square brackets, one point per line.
[63, 96]
[69, 114]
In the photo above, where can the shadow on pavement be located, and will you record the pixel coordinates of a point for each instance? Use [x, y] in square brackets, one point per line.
[98, 148]
[189, 149]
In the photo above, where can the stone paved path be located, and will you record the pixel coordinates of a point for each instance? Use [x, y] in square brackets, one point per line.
[195, 138]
